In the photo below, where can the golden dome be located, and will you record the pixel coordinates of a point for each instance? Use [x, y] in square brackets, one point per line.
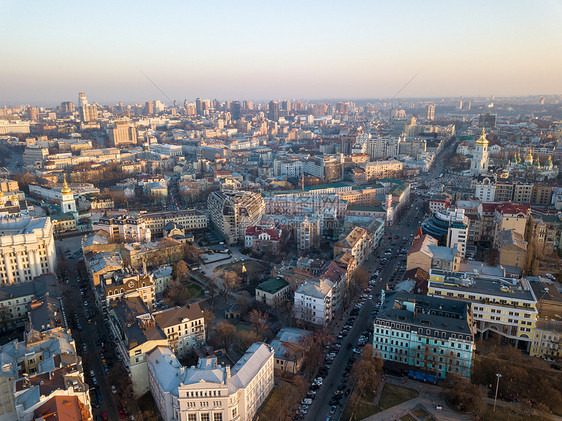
[482, 140]
[65, 188]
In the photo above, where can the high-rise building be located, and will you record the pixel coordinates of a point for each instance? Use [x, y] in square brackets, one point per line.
[33, 113]
[431, 112]
[449, 227]
[231, 212]
[149, 108]
[236, 110]
[82, 100]
[27, 248]
[67, 107]
[273, 110]
[87, 112]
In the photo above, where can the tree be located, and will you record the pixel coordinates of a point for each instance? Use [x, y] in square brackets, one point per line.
[225, 333]
[209, 317]
[364, 376]
[466, 397]
[245, 338]
[180, 271]
[258, 321]
[230, 282]
[191, 253]
[177, 294]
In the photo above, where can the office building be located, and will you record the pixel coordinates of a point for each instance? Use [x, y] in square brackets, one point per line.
[431, 112]
[210, 391]
[382, 169]
[449, 227]
[122, 134]
[27, 248]
[273, 113]
[501, 306]
[428, 334]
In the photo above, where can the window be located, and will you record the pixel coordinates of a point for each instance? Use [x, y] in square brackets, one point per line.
[217, 417]
[191, 417]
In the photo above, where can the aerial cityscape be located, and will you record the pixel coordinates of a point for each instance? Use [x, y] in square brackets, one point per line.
[283, 224]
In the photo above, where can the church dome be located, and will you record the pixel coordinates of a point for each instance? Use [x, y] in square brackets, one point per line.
[65, 189]
[482, 140]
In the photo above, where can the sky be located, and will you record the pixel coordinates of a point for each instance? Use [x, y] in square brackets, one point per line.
[259, 50]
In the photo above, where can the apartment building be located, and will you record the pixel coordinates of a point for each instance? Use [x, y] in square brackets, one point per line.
[358, 243]
[136, 334]
[183, 326]
[231, 212]
[510, 216]
[210, 391]
[313, 302]
[434, 335]
[44, 366]
[382, 169]
[27, 248]
[501, 306]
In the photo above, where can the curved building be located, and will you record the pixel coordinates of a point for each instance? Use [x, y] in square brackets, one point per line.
[449, 227]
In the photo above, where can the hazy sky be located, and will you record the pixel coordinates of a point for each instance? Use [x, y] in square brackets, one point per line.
[51, 50]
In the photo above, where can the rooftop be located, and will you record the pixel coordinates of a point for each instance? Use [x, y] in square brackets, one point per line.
[419, 311]
[273, 285]
[518, 289]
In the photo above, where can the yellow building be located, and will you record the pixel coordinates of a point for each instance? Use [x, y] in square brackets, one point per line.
[503, 306]
[546, 340]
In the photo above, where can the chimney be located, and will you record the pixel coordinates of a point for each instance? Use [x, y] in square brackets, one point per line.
[227, 369]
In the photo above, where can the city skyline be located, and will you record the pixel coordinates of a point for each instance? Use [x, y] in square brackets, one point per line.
[258, 51]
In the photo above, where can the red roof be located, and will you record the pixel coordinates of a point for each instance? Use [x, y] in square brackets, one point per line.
[256, 230]
[489, 207]
[513, 209]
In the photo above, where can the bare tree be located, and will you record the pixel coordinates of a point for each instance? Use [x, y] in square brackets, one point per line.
[225, 333]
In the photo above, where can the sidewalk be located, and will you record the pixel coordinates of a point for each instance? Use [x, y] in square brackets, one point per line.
[428, 398]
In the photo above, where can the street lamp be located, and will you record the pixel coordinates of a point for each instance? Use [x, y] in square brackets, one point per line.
[498, 375]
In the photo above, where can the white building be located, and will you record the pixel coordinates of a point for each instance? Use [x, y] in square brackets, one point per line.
[485, 190]
[27, 248]
[479, 162]
[209, 391]
[313, 302]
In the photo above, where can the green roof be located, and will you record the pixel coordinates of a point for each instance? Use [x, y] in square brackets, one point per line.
[273, 285]
[327, 186]
[368, 186]
[390, 180]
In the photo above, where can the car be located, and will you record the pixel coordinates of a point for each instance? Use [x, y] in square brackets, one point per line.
[113, 389]
[94, 380]
[439, 407]
[307, 401]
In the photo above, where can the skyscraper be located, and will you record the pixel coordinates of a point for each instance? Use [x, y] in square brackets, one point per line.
[431, 112]
[274, 110]
[236, 110]
[82, 100]
[87, 112]
[149, 108]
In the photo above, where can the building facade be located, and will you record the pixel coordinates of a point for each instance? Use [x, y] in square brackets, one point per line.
[433, 335]
[27, 248]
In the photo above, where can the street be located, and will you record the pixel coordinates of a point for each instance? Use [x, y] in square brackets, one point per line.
[88, 333]
[405, 227]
